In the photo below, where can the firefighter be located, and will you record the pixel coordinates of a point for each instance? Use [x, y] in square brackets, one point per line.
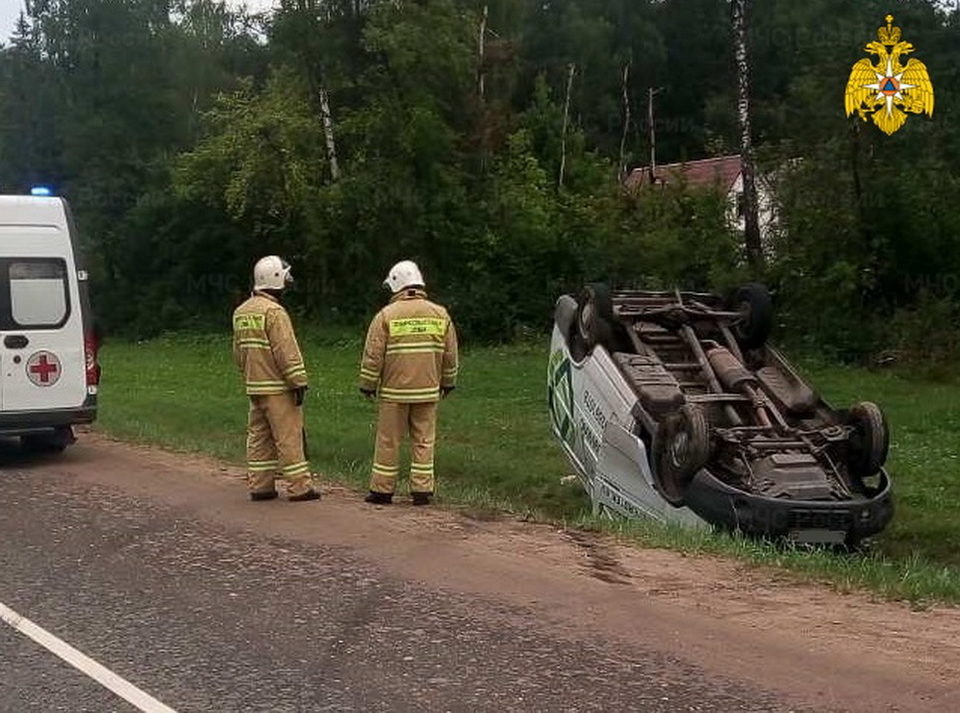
[410, 362]
[266, 350]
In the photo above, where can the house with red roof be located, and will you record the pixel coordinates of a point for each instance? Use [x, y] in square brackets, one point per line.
[722, 173]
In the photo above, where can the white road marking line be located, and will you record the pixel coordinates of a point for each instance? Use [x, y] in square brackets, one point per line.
[83, 663]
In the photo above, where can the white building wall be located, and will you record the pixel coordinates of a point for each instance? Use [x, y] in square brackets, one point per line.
[766, 209]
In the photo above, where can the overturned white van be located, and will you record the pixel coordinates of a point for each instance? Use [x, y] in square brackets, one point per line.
[49, 373]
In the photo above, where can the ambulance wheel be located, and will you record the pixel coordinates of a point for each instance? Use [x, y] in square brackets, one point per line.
[55, 442]
[595, 315]
[754, 302]
[869, 441]
[681, 447]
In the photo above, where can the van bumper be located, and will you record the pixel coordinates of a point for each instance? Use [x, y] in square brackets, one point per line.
[801, 520]
[25, 423]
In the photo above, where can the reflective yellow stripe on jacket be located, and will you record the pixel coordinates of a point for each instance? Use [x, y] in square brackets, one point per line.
[410, 395]
[431, 347]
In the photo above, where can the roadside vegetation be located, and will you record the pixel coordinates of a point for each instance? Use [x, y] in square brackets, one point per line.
[487, 139]
[496, 454]
[490, 141]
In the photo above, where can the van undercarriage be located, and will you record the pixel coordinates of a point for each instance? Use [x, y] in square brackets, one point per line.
[731, 430]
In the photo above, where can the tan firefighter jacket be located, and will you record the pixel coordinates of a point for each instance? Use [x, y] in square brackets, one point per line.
[265, 347]
[411, 350]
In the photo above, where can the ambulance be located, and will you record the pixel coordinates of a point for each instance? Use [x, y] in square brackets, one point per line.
[49, 374]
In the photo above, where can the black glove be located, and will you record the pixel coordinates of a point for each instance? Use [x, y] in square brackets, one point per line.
[368, 393]
[445, 390]
[298, 395]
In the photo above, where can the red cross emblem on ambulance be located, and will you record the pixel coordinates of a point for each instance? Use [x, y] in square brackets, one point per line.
[43, 368]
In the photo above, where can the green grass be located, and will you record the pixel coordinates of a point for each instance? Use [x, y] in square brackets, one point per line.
[924, 457]
[494, 444]
[496, 453]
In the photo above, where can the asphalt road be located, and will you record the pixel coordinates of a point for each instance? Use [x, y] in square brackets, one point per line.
[228, 605]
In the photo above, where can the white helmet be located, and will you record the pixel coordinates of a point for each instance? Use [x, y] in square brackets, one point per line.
[271, 273]
[403, 275]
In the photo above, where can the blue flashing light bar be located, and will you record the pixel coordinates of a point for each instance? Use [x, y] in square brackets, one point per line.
[41, 191]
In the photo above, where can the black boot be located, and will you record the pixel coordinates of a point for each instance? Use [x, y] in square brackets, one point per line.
[421, 498]
[309, 495]
[379, 498]
[263, 495]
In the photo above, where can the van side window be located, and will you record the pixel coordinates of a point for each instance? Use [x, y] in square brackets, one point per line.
[38, 292]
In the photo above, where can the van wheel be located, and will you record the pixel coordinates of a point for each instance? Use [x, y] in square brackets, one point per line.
[869, 441]
[595, 315]
[754, 327]
[681, 448]
[55, 442]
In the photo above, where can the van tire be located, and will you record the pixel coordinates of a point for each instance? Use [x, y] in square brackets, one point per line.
[870, 440]
[595, 315]
[681, 447]
[753, 300]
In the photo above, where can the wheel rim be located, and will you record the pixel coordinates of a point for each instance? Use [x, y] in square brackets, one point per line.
[586, 320]
[679, 449]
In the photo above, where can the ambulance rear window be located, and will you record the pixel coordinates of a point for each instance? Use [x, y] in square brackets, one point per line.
[38, 292]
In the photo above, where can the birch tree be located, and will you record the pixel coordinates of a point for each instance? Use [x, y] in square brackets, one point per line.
[750, 208]
[571, 71]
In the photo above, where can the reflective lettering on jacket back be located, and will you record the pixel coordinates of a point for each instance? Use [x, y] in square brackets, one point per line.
[417, 326]
[249, 322]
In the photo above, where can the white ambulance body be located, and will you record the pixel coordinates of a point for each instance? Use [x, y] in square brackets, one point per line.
[48, 349]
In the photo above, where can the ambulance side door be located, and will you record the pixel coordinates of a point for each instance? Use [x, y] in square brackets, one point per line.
[42, 361]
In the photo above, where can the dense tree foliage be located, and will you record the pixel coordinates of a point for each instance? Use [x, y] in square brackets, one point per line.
[486, 139]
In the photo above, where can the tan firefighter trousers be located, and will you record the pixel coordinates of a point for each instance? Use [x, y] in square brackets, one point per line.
[396, 421]
[275, 444]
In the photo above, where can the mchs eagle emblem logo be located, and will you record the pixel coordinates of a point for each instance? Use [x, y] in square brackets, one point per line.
[889, 90]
